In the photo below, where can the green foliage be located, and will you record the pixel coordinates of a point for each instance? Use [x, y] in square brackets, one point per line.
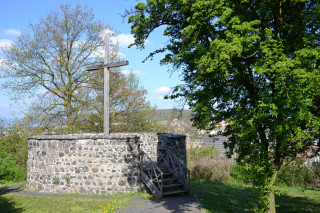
[56, 180]
[68, 179]
[129, 110]
[14, 150]
[15, 140]
[253, 64]
[239, 175]
[10, 170]
[134, 113]
[208, 163]
[298, 174]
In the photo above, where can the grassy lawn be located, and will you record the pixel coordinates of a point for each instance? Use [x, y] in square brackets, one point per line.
[17, 203]
[213, 196]
[298, 200]
[232, 197]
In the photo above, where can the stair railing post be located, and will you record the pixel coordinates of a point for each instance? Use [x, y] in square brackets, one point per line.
[141, 161]
[161, 184]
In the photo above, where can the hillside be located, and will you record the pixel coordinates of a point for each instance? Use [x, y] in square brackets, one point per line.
[171, 114]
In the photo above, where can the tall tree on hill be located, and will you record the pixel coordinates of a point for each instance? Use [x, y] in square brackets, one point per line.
[253, 64]
[53, 57]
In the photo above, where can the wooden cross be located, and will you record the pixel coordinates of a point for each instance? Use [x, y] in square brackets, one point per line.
[105, 66]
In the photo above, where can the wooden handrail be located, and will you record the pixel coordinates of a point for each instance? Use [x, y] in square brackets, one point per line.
[153, 175]
[176, 166]
[175, 157]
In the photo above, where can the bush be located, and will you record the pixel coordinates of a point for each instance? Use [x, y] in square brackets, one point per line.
[316, 169]
[240, 175]
[208, 163]
[9, 169]
[297, 173]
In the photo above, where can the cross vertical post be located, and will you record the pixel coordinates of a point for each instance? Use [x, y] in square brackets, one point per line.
[106, 89]
[105, 67]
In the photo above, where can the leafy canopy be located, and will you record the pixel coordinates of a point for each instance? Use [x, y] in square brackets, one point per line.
[253, 64]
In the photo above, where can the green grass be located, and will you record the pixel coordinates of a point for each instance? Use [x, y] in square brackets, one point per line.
[11, 203]
[298, 200]
[18, 203]
[213, 196]
[234, 197]
[222, 197]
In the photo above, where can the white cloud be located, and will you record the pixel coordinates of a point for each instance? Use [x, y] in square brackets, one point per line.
[4, 106]
[5, 43]
[163, 90]
[12, 32]
[160, 97]
[124, 40]
[3, 62]
[98, 53]
[136, 72]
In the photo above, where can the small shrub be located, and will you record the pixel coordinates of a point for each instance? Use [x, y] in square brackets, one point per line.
[56, 180]
[240, 175]
[208, 163]
[297, 173]
[9, 169]
[316, 169]
[68, 180]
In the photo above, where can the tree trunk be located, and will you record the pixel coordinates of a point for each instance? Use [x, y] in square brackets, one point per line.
[272, 208]
[69, 117]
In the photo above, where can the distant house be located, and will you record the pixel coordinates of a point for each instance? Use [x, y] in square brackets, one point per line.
[211, 139]
[206, 140]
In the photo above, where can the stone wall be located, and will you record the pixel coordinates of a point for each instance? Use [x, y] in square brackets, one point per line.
[94, 163]
[176, 143]
[149, 142]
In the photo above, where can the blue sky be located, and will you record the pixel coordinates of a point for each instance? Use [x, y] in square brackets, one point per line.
[15, 16]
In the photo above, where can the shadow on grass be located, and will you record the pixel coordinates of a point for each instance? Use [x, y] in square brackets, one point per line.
[223, 197]
[297, 204]
[7, 205]
[227, 197]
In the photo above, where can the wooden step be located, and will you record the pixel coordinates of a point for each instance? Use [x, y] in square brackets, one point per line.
[164, 173]
[172, 185]
[175, 192]
[169, 179]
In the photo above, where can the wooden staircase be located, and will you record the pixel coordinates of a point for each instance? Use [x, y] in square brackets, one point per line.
[168, 176]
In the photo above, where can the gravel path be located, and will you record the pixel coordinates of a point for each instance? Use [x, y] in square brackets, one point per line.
[178, 204]
[173, 204]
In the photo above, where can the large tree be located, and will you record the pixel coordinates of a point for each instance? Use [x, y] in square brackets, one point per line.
[49, 62]
[254, 64]
[52, 58]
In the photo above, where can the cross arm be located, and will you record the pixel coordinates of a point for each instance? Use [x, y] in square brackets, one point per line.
[108, 65]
